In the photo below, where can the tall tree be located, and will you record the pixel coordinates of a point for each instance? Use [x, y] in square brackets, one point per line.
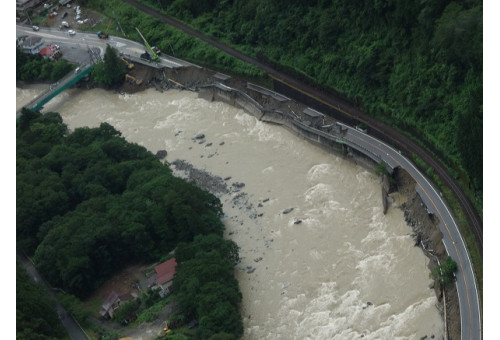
[111, 70]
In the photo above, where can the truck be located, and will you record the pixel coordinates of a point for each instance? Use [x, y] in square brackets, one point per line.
[150, 54]
[102, 35]
[156, 50]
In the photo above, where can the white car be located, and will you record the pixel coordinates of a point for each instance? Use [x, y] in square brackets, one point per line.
[36, 28]
[71, 32]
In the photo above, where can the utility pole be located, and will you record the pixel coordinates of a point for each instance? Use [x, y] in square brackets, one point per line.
[121, 29]
[27, 14]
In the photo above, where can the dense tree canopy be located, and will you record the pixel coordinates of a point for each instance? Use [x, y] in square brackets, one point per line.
[111, 70]
[205, 286]
[35, 314]
[89, 202]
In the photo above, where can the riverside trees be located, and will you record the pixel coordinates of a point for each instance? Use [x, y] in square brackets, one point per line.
[111, 70]
[445, 272]
[89, 203]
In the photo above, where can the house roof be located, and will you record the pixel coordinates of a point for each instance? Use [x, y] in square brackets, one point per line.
[110, 301]
[165, 271]
[31, 42]
[46, 51]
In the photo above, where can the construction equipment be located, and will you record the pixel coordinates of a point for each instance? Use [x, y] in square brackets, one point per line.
[102, 35]
[166, 329]
[154, 56]
[129, 65]
[156, 50]
[132, 79]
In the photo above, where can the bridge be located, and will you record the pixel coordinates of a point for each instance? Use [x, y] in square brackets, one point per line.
[69, 80]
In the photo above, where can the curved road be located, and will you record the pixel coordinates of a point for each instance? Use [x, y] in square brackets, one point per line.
[470, 314]
[75, 48]
[74, 330]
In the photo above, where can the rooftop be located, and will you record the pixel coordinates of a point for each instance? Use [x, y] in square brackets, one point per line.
[165, 271]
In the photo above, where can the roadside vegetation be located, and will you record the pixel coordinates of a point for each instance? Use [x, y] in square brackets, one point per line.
[111, 70]
[444, 273]
[37, 68]
[89, 203]
[36, 317]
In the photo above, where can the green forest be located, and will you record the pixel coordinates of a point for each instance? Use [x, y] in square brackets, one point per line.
[36, 317]
[89, 203]
[416, 65]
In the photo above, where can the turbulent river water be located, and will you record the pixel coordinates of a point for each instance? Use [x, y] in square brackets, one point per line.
[346, 271]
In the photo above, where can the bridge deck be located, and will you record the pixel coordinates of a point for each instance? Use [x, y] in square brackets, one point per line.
[68, 80]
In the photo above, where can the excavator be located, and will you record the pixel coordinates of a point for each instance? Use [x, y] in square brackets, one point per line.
[152, 54]
[129, 65]
[102, 35]
[132, 79]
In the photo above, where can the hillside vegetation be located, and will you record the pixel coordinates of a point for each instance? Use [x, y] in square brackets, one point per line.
[417, 65]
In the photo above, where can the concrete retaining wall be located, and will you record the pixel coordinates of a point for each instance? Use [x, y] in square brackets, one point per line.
[328, 140]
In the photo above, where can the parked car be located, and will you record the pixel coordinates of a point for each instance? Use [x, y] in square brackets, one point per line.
[64, 15]
[77, 70]
[36, 28]
[71, 32]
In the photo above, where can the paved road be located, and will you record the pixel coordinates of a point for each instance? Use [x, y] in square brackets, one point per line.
[466, 283]
[73, 329]
[75, 48]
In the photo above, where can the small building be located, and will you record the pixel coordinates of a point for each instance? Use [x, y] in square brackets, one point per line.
[52, 51]
[22, 5]
[313, 117]
[110, 305]
[31, 45]
[46, 52]
[223, 78]
[165, 273]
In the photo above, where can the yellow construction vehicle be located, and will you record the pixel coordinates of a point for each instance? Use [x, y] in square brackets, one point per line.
[129, 65]
[132, 79]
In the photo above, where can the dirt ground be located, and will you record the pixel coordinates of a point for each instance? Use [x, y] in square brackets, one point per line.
[123, 283]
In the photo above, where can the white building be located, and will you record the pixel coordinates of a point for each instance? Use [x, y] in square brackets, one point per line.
[22, 5]
[31, 45]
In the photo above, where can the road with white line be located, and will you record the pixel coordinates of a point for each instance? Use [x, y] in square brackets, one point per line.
[455, 246]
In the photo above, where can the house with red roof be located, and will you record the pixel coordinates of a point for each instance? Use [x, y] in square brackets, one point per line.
[165, 273]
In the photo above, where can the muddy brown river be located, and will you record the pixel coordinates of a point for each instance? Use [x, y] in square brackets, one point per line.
[346, 271]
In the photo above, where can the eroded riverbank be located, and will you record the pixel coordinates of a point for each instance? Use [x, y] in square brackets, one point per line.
[344, 271]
